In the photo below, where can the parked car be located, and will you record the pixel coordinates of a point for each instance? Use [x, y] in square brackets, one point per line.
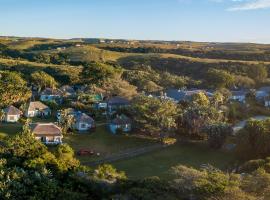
[85, 152]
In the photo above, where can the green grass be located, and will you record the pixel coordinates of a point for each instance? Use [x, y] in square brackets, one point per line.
[7, 129]
[103, 142]
[159, 163]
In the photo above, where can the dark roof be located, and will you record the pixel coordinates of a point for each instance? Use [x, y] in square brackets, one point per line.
[11, 110]
[45, 129]
[50, 91]
[265, 89]
[184, 95]
[118, 101]
[67, 89]
[121, 120]
[239, 93]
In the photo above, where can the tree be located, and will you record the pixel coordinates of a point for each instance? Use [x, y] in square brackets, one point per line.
[218, 99]
[258, 73]
[108, 173]
[253, 140]
[200, 184]
[66, 121]
[97, 73]
[195, 118]
[200, 99]
[154, 116]
[217, 134]
[219, 78]
[43, 80]
[13, 89]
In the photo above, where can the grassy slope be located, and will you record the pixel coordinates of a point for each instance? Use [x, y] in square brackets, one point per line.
[160, 162]
[9, 129]
[103, 142]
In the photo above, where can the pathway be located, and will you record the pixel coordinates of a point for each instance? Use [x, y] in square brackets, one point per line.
[126, 154]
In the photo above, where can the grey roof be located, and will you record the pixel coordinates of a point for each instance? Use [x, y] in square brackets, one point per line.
[265, 89]
[68, 89]
[11, 110]
[118, 101]
[239, 93]
[184, 95]
[50, 91]
[121, 120]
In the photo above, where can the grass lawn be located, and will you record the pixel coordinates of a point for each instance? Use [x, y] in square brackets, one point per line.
[158, 163]
[103, 142]
[9, 129]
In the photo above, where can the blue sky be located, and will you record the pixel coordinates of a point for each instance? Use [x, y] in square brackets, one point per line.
[196, 20]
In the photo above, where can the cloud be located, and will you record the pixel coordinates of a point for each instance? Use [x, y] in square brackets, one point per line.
[251, 5]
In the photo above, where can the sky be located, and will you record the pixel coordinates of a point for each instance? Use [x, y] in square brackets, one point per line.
[184, 20]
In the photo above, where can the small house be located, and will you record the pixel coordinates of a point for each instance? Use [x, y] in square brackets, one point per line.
[37, 109]
[178, 95]
[50, 94]
[120, 123]
[68, 91]
[116, 103]
[47, 133]
[12, 114]
[239, 96]
[83, 122]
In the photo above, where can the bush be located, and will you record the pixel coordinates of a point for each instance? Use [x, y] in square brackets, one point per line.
[168, 141]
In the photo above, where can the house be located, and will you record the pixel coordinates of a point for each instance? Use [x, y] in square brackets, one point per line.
[12, 114]
[239, 95]
[122, 123]
[115, 103]
[267, 101]
[47, 133]
[262, 93]
[50, 94]
[68, 91]
[179, 95]
[37, 109]
[83, 122]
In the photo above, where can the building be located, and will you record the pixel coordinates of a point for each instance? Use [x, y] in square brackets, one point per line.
[68, 91]
[50, 94]
[37, 109]
[239, 96]
[47, 133]
[12, 114]
[121, 123]
[179, 95]
[116, 103]
[83, 122]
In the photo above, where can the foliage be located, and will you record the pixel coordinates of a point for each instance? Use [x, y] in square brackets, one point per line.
[219, 78]
[66, 121]
[217, 134]
[108, 173]
[43, 80]
[154, 116]
[195, 118]
[253, 140]
[13, 89]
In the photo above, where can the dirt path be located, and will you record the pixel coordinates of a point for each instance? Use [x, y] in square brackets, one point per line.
[126, 154]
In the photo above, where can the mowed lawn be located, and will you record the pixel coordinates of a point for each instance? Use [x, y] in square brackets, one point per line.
[9, 129]
[103, 142]
[160, 162]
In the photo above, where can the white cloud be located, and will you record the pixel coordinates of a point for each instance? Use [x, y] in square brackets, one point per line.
[251, 5]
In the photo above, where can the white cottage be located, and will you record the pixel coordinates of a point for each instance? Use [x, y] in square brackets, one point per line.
[12, 114]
